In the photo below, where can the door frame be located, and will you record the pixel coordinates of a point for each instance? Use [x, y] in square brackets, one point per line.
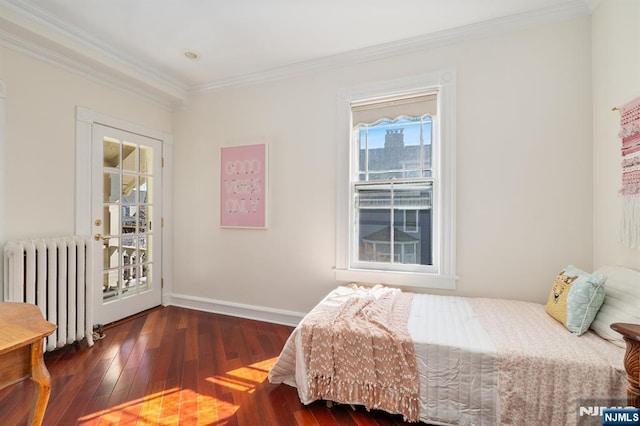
[85, 119]
[3, 201]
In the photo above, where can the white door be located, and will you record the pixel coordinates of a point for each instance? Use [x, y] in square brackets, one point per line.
[126, 209]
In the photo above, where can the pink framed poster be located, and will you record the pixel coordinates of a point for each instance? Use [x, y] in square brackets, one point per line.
[243, 186]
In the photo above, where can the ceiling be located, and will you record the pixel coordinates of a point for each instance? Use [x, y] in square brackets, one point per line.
[239, 41]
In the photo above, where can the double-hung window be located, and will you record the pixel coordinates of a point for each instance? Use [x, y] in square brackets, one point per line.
[396, 216]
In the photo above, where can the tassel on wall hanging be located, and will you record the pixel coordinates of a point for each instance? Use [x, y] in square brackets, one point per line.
[630, 135]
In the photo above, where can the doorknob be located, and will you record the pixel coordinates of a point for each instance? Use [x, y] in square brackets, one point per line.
[98, 237]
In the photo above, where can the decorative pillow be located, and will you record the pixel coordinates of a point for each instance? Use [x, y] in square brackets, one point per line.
[575, 298]
[621, 302]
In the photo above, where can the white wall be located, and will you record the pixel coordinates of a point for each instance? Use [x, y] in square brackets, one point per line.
[40, 140]
[524, 166]
[616, 81]
[524, 172]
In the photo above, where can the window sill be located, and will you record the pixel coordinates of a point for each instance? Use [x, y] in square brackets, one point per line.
[403, 279]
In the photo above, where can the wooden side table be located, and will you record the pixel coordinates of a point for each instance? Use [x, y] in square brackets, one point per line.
[631, 335]
[22, 329]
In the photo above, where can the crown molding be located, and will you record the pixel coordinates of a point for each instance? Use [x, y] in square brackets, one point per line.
[88, 72]
[520, 21]
[31, 31]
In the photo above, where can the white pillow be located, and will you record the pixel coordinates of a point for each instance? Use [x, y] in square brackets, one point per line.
[621, 302]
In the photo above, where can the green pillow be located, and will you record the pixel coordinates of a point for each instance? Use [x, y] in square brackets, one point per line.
[575, 298]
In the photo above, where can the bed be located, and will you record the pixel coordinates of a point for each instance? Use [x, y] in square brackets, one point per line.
[478, 360]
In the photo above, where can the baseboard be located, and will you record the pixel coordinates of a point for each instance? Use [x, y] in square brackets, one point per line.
[259, 313]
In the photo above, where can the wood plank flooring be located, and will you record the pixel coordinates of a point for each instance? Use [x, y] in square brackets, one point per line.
[175, 366]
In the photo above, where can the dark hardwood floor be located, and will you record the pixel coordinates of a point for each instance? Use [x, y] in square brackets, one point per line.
[175, 366]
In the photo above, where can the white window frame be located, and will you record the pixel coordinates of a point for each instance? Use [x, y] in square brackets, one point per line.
[443, 274]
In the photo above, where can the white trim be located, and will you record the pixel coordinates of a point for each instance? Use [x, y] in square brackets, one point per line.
[83, 54]
[397, 279]
[85, 119]
[259, 313]
[492, 27]
[98, 61]
[167, 216]
[124, 125]
[444, 217]
[84, 124]
[77, 66]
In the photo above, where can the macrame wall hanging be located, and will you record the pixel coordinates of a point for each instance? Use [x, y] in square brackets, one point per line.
[630, 191]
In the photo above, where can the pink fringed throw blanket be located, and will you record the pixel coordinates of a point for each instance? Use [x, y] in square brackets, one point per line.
[630, 135]
[361, 352]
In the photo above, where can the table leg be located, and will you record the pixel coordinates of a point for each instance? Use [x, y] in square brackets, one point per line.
[632, 366]
[40, 376]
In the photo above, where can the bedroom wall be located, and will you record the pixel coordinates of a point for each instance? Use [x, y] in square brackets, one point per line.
[40, 139]
[616, 81]
[524, 173]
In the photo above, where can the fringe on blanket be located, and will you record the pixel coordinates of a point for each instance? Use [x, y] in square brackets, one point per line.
[630, 223]
[372, 396]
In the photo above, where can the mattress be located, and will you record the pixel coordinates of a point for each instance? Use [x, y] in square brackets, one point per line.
[490, 361]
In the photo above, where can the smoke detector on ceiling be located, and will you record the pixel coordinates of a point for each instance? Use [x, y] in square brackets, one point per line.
[190, 54]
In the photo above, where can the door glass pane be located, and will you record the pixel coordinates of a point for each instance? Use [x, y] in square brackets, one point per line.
[129, 157]
[146, 160]
[146, 248]
[144, 281]
[128, 243]
[127, 219]
[129, 271]
[111, 153]
[110, 284]
[111, 185]
[129, 184]
[111, 253]
[144, 189]
[129, 281]
[111, 219]
[144, 224]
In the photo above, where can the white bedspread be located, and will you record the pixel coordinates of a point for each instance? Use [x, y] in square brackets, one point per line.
[456, 362]
[481, 362]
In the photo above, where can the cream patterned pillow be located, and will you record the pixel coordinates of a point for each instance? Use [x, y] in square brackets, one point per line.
[575, 298]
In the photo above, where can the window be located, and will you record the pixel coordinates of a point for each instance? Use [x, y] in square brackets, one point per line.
[396, 174]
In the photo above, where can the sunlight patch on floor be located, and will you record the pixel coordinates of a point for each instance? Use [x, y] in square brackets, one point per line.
[175, 405]
[162, 407]
[246, 378]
